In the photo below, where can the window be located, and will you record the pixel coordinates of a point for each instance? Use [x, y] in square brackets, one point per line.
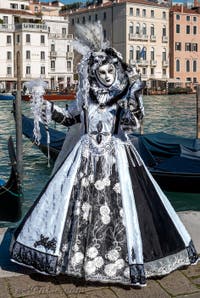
[68, 48]
[164, 71]
[28, 55]
[96, 17]
[64, 31]
[187, 65]
[178, 17]
[144, 71]
[143, 53]
[9, 55]
[131, 53]
[152, 30]
[188, 47]
[104, 34]
[137, 28]
[137, 12]
[69, 66]
[178, 28]
[28, 70]
[77, 20]
[177, 65]
[42, 55]
[164, 15]
[144, 29]
[194, 30]
[53, 64]
[42, 70]
[177, 46]
[138, 53]
[52, 47]
[8, 39]
[131, 11]
[28, 38]
[152, 71]
[89, 18]
[36, 9]
[131, 28]
[83, 20]
[9, 70]
[194, 47]
[5, 19]
[164, 31]
[152, 13]
[164, 55]
[194, 66]
[194, 19]
[194, 80]
[72, 22]
[144, 12]
[104, 16]
[42, 39]
[187, 29]
[188, 18]
[188, 79]
[152, 54]
[18, 38]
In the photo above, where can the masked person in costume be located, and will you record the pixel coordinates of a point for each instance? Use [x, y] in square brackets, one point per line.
[101, 215]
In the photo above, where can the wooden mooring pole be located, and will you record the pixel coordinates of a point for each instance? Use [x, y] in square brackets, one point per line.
[198, 112]
[18, 115]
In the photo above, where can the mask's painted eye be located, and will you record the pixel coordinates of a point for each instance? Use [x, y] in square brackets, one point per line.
[102, 72]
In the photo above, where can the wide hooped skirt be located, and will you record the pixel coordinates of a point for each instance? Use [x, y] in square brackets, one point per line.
[103, 217]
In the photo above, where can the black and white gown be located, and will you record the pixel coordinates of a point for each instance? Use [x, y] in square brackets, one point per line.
[101, 215]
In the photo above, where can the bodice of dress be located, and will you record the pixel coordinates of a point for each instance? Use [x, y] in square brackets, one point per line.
[101, 122]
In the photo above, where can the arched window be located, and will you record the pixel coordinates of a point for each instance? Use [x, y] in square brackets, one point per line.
[144, 29]
[137, 28]
[152, 30]
[177, 65]
[131, 53]
[187, 65]
[143, 53]
[138, 53]
[152, 53]
[131, 28]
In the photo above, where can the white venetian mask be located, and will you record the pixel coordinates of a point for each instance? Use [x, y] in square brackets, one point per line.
[106, 74]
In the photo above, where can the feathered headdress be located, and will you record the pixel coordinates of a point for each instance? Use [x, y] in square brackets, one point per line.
[89, 38]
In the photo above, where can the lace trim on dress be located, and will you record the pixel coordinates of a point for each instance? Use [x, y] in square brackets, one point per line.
[32, 258]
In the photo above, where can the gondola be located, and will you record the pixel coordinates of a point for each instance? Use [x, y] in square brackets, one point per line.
[172, 160]
[10, 191]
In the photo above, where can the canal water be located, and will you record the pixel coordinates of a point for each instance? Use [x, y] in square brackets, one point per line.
[175, 114]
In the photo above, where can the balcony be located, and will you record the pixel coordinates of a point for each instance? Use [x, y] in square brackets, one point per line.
[133, 36]
[165, 63]
[53, 55]
[144, 37]
[142, 62]
[7, 28]
[153, 62]
[164, 39]
[60, 36]
[32, 27]
[69, 55]
[152, 38]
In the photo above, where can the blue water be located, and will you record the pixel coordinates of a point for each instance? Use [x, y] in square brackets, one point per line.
[171, 114]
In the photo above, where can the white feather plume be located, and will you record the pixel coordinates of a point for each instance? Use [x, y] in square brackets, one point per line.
[89, 37]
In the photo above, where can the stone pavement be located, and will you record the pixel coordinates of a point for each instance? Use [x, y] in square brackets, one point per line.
[16, 282]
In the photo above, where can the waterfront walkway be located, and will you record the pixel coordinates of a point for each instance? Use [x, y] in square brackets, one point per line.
[16, 282]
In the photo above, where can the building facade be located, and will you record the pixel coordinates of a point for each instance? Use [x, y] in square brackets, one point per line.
[40, 45]
[138, 29]
[185, 45]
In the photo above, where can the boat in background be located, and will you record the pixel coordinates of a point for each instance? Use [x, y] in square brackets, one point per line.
[10, 191]
[53, 96]
[6, 96]
[173, 161]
